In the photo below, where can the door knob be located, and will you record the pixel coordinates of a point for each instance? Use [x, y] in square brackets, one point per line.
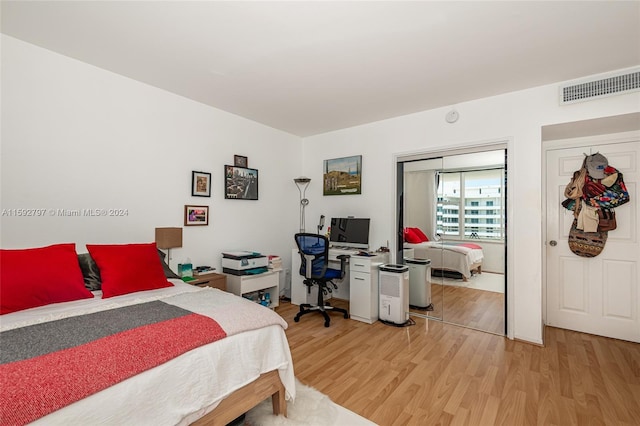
[553, 243]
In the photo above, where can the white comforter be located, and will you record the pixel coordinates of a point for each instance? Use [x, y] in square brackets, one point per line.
[181, 390]
[448, 257]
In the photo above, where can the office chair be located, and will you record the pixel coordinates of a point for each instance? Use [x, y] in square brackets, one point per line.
[314, 267]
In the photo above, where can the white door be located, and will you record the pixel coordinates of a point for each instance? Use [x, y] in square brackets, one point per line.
[599, 295]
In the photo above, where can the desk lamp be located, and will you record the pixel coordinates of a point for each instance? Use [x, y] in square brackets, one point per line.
[302, 183]
[168, 238]
[321, 224]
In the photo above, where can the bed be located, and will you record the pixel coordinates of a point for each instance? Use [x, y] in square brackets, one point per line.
[464, 258]
[173, 355]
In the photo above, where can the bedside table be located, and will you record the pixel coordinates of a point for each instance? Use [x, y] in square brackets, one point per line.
[210, 280]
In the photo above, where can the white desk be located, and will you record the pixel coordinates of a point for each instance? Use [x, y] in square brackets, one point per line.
[362, 292]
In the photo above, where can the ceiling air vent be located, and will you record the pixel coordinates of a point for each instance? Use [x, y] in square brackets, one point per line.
[609, 86]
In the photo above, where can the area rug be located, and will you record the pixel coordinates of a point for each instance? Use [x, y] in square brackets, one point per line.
[486, 281]
[311, 408]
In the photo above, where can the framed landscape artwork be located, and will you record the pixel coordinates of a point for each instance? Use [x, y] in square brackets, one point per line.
[240, 183]
[343, 176]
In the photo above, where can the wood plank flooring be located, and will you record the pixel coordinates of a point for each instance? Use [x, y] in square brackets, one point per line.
[433, 373]
[483, 310]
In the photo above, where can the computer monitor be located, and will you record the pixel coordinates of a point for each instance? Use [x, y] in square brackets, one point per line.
[350, 232]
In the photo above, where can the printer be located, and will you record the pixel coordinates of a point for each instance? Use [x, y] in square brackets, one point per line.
[244, 263]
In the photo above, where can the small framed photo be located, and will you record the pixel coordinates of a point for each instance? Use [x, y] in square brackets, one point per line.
[200, 184]
[240, 161]
[196, 215]
[240, 183]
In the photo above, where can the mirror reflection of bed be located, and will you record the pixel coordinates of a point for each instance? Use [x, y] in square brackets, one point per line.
[457, 203]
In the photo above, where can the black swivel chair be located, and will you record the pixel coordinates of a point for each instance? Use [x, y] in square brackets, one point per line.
[314, 267]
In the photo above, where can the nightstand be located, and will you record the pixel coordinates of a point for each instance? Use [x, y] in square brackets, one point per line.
[210, 280]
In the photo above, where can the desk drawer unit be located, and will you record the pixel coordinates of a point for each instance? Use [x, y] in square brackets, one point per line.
[362, 299]
[268, 282]
[363, 288]
[359, 264]
[258, 282]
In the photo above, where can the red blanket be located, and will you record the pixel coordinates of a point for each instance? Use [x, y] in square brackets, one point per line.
[34, 387]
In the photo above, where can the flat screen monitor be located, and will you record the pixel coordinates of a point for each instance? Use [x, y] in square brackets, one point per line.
[350, 232]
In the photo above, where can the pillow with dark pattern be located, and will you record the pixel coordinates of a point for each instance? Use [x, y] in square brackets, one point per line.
[90, 272]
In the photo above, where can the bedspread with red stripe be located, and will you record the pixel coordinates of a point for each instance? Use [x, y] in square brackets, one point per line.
[470, 246]
[44, 367]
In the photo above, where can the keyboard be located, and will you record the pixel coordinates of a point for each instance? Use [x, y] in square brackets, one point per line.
[334, 252]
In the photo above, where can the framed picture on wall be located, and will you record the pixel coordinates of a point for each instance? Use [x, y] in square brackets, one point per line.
[196, 215]
[240, 161]
[342, 176]
[240, 183]
[200, 184]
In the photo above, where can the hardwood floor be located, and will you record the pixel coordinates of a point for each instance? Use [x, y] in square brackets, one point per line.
[483, 310]
[433, 373]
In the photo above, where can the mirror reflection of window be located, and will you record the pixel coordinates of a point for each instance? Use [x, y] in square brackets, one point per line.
[470, 204]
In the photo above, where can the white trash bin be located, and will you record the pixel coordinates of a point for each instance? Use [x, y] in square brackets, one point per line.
[419, 283]
[394, 300]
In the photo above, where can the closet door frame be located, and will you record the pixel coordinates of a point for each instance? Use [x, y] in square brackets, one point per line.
[396, 243]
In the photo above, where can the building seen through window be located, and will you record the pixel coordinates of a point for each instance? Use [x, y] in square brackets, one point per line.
[471, 204]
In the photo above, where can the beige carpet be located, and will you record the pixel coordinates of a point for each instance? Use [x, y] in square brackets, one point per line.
[311, 408]
[486, 281]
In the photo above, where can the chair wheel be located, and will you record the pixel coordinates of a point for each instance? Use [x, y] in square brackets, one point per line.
[346, 316]
[296, 319]
[326, 323]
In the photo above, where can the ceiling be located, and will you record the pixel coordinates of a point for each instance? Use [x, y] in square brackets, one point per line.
[312, 67]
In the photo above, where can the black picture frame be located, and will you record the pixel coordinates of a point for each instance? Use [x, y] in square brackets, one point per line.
[240, 183]
[200, 184]
[240, 161]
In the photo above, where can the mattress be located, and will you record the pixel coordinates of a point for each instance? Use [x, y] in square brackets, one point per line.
[459, 257]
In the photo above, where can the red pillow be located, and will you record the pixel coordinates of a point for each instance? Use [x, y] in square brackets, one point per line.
[418, 232]
[410, 236]
[40, 276]
[127, 268]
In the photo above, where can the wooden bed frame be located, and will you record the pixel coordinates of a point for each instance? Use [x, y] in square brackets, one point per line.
[247, 397]
[474, 268]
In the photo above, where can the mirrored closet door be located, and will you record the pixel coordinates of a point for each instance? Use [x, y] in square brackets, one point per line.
[420, 201]
[452, 213]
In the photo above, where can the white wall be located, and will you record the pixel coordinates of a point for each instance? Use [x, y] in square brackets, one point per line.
[493, 260]
[75, 136]
[516, 118]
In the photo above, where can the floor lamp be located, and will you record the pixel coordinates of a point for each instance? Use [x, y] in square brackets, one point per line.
[302, 183]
